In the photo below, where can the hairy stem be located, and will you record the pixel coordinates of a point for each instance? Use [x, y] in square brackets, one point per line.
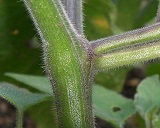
[158, 13]
[19, 119]
[129, 38]
[128, 57]
[66, 61]
[74, 11]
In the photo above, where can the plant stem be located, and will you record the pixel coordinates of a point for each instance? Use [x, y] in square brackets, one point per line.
[74, 11]
[19, 119]
[66, 61]
[129, 38]
[128, 57]
[158, 13]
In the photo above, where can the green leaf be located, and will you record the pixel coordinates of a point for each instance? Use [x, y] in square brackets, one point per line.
[147, 93]
[38, 82]
[126, 13]
[147, 101]
[156, 121]
[20, 98]
[102, 99]
[152, 117]
[111, 106]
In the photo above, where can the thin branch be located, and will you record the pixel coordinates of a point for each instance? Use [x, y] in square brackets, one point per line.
[158, 13]
[19, 119]
[128, 57]
[74, 11]
[129, 38]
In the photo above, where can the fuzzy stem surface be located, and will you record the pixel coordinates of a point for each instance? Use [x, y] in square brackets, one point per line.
[138, 36]
[74, 11]
[19, 119]
[128, 57]
[66, 61]
[158, 13]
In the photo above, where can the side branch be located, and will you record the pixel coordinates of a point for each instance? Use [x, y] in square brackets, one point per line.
[129, 38]
[74, 11]
[128, 57]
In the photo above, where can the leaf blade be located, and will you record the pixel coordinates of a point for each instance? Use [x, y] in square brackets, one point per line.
[38, 82]
[115, 110]
[20, 98]
[146, 101]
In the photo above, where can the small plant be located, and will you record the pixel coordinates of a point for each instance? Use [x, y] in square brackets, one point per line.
[71, 62]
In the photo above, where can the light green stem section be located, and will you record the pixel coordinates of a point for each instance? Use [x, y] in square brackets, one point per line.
[64, 57]
[19, 119]
[128, 57]
[130, 38]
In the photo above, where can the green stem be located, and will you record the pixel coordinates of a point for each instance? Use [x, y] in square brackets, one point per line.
[158, 13]
[128, 57]
[74, 11]
[19, 119]
[129, 38]
[66, 61]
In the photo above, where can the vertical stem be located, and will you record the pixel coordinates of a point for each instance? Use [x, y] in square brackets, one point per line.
[158, 13]
[65, 58]
[74, 11]
[19, 120]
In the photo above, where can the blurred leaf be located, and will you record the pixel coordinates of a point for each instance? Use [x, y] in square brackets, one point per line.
[152, 117]
[126, 13]
[147, 101]
[46, 108]
[104, 110]
[152, 68]
[147, 93]
[38, 82]
[156, 120]
[99, 17]
[111, 106]
[146, 13]
[20, 98]
[44, 114]
[17, 54]
[112, 79]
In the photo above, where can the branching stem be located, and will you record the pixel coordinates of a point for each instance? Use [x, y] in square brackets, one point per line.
[129, 38]
[70, 59]
[128, 57]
